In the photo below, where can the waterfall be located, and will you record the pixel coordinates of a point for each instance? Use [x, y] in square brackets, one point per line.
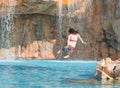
[60, 17]
[71, 7]
[74, 8]
[60, 22]
[7, 25]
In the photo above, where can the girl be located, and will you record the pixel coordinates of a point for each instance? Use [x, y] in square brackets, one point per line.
[71, 42]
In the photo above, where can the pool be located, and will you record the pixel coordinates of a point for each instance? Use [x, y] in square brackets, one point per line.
[50, 74]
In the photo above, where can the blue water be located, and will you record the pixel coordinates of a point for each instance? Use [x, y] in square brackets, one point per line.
[50, 74]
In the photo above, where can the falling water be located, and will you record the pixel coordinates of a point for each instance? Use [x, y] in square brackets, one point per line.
[73, 7]
[60, 16]
[60, 22]
[7, 25]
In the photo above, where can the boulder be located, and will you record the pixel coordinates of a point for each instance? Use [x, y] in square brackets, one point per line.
[116, 71]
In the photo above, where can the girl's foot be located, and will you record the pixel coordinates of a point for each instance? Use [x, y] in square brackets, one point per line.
[58, 52]
[67, 56]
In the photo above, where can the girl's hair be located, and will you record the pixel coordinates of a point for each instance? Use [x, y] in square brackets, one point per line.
[76, 31]
[71, 30]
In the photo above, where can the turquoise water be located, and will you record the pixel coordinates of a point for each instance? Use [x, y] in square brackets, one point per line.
[50, 74]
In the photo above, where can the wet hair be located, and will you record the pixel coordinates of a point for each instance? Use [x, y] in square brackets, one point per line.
[71, 30]
[76, 31]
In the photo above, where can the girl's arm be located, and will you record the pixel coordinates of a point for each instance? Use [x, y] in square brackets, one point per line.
[68, 41]
[79, 37]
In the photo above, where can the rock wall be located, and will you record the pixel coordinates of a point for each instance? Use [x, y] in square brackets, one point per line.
[38, 32]
[105, 20]
[33, 36]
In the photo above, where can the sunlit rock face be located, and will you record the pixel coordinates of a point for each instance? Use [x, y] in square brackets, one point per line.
[41, 27]
[10, 2]
[66, 2]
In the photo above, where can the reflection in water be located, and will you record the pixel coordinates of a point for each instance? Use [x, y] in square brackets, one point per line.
[93, 81]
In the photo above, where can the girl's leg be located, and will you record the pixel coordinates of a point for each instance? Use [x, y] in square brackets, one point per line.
[59, 51]
[67, 56]
[63, 50]
[70, 50]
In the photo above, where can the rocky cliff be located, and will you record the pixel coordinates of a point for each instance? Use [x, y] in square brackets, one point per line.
[40, 28]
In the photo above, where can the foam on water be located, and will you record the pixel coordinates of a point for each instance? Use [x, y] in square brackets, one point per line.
[46, 63]
[50, 60]
[72, 61]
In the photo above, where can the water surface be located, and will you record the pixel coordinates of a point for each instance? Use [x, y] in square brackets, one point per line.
[50, 74]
